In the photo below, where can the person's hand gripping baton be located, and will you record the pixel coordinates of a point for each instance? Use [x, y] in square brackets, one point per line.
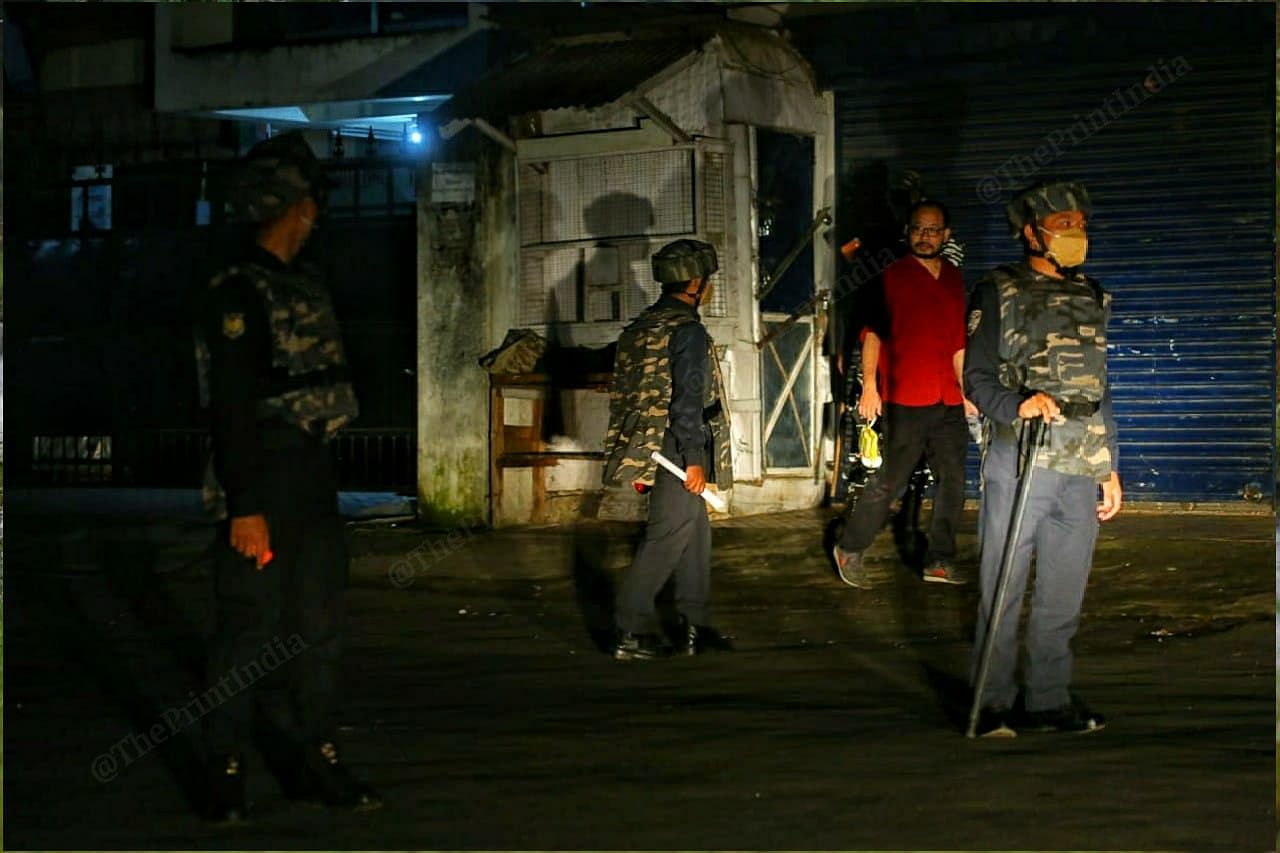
[709, 496]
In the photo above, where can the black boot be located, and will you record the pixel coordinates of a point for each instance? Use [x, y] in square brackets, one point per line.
[225, 790]
[995, 723]
[700, 639]
[1074, 717]
[326, 780]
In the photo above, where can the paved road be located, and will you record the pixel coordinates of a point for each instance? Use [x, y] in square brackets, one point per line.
[479, 704]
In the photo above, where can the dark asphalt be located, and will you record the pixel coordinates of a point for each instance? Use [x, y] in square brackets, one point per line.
[477, 701]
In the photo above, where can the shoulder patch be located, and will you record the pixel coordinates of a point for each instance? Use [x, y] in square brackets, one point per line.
[975, 317]
[232, 325]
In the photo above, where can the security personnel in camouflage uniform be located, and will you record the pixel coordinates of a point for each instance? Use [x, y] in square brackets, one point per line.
[1037, 349]
[667, 395]
[271, 361]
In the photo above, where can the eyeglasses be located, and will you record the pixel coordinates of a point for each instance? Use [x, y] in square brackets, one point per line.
[929, 231]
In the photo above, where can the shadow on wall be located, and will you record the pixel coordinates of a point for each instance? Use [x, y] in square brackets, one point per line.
[595, 289]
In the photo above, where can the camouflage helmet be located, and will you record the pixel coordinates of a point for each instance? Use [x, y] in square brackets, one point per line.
[684, 260]
[276, 174]
[1039, 200]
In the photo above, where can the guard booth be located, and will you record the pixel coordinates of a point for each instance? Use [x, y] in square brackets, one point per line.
[618, 146]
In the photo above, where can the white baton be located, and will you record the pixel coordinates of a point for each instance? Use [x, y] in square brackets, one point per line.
[709, 496]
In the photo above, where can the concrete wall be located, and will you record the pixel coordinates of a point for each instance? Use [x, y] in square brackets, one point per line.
[462, 260]
[122, 62]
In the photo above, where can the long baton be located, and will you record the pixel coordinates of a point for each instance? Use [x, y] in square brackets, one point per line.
[1002, 582]
[707, 495]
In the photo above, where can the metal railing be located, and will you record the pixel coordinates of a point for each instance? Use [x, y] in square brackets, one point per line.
[364, 459]
[71, 459]
[376, 459]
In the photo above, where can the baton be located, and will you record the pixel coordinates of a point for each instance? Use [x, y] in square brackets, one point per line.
[709, 496]
[1002, 582]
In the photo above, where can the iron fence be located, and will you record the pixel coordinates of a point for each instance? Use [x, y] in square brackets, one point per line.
[365, 459]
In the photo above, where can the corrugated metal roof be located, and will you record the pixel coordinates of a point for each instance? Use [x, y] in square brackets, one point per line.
[577, 75]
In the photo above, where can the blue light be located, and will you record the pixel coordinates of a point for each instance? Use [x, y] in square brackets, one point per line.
[415, 136]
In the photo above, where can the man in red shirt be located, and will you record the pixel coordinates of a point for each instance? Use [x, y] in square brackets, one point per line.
[918, 348]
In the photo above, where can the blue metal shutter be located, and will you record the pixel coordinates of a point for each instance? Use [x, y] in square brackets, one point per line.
[1179, 166]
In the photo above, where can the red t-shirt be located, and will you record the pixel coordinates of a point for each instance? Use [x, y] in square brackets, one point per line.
[924, 324]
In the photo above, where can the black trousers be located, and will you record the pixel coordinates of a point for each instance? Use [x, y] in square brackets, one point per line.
[278, 633]
[677, 540]
[941, 433]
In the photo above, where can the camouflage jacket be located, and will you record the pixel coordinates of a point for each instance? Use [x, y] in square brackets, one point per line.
[1053, 339]
[640, 400]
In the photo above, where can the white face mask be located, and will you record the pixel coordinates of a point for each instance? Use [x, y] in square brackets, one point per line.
[1067, 248]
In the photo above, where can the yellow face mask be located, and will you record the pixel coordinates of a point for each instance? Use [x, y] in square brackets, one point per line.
[1068, 247]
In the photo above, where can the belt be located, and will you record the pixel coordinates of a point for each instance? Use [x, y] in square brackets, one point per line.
[276, 434]
[1068, 409]
[1077, 408]
[281, 381]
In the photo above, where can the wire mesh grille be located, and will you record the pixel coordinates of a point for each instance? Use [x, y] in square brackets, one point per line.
[622, 199]
[623, 195]
[532, 189]
[715, 228]
[549, 286]
[718, 306]
[713, 177]
[640, 290]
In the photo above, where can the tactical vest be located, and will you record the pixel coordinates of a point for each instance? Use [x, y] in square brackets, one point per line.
[308, 386]
[1053, 338]
[640, 401]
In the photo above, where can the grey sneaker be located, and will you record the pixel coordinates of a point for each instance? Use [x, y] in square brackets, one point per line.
[849, 567]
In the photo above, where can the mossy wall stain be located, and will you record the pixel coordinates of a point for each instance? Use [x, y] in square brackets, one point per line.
[458, 276]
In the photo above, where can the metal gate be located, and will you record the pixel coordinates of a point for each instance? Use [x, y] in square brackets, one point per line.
[101, 313]
[788, 388]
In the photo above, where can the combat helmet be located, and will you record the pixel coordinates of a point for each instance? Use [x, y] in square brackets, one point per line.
[684, 260]
[1041, 199]
[276, 174]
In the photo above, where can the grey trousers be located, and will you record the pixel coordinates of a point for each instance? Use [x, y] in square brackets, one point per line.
[677, 540]
[1060, 526]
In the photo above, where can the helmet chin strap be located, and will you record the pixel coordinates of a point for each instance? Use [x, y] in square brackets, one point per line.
[697, 297]
[1040, 251]
[1066, 271]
